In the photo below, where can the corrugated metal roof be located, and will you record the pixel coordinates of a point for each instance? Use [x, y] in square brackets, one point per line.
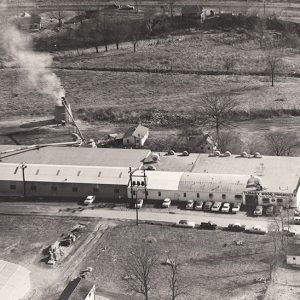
[279, 174]
[80, 156]
[59, 173]
[10, 275]
[213, 183]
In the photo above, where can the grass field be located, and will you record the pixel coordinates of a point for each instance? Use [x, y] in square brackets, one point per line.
[215, 267]
[88, 91]
[201, 50]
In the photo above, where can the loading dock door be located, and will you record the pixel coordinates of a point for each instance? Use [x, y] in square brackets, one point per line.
[251, 200]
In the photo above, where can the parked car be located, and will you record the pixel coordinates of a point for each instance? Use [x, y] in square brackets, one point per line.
[226, 207]
[257, 230]
[89, 200]
[258, 211]
[296, 220]
[166, 203]
[139, 203]
[270, 210]
[185, 224]
[236, 208]
[236, 227]
[289, 232]
[208, 205]
[208, 225]
[198, 205]
[216, 207]
[189, 204]
[278, 210]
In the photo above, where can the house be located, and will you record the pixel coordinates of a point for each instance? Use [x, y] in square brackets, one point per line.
[79, 289]
[293, 253]
[202, 143]
[136, 136]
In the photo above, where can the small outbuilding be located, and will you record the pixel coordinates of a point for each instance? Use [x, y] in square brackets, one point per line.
[14, 281]
[79, 289]
[293, 253]
[136, 136]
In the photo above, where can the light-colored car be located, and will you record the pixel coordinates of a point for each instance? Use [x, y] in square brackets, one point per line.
[258, 211]
[258, 230]
[139, 203]
[185, 224]
[296, 220]
[199, 205]
[226, 207]
[216, 207]
[236, 208]
[189, 204]
[89, 200]
[166, 203]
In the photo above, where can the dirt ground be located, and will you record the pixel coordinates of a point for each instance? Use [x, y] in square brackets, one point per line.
[212, 264]
[23, 239]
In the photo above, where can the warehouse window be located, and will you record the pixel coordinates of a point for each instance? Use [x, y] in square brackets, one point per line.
[210, 196]
[279, 200]
[198, 196]
[54, 188]
[95, 190]
[266, 200]
[75, 189]
[33, 187]
[133, 182]
[159, 194]
[142, 183]
[12, 186]
[117, 191]
[138, 183]
[184, 194]
[238, 197]
[224, 196]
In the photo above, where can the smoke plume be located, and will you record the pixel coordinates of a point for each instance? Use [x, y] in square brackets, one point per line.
[39, 75]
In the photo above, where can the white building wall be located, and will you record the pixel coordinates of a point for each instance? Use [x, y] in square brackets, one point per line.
[91, 294]
[293, 260]
[175, 195]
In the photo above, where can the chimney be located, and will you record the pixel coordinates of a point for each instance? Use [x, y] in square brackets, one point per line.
[61, 114]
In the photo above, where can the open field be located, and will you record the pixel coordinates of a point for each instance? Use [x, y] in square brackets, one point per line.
[214, 266]
[200, 51]
[127, 93]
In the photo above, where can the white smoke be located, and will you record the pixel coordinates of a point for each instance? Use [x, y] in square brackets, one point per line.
[37, 66]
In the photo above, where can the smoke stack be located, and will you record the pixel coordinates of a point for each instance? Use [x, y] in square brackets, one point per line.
[61, 114]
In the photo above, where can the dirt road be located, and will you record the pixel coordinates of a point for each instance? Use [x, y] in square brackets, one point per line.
[145, 214]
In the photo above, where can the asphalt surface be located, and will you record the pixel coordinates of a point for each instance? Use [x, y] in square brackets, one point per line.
[145, 214]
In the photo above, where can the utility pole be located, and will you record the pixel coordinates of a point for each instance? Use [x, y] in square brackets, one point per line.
[23, 166]
[136, 189]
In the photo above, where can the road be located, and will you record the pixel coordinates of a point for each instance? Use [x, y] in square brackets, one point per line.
[145, 214]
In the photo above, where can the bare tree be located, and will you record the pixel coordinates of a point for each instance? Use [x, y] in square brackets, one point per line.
[178, 286]
[216, 112]
[273, 63]
[58, 15]
[135, 32]
[139, 265]
[281, 143]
